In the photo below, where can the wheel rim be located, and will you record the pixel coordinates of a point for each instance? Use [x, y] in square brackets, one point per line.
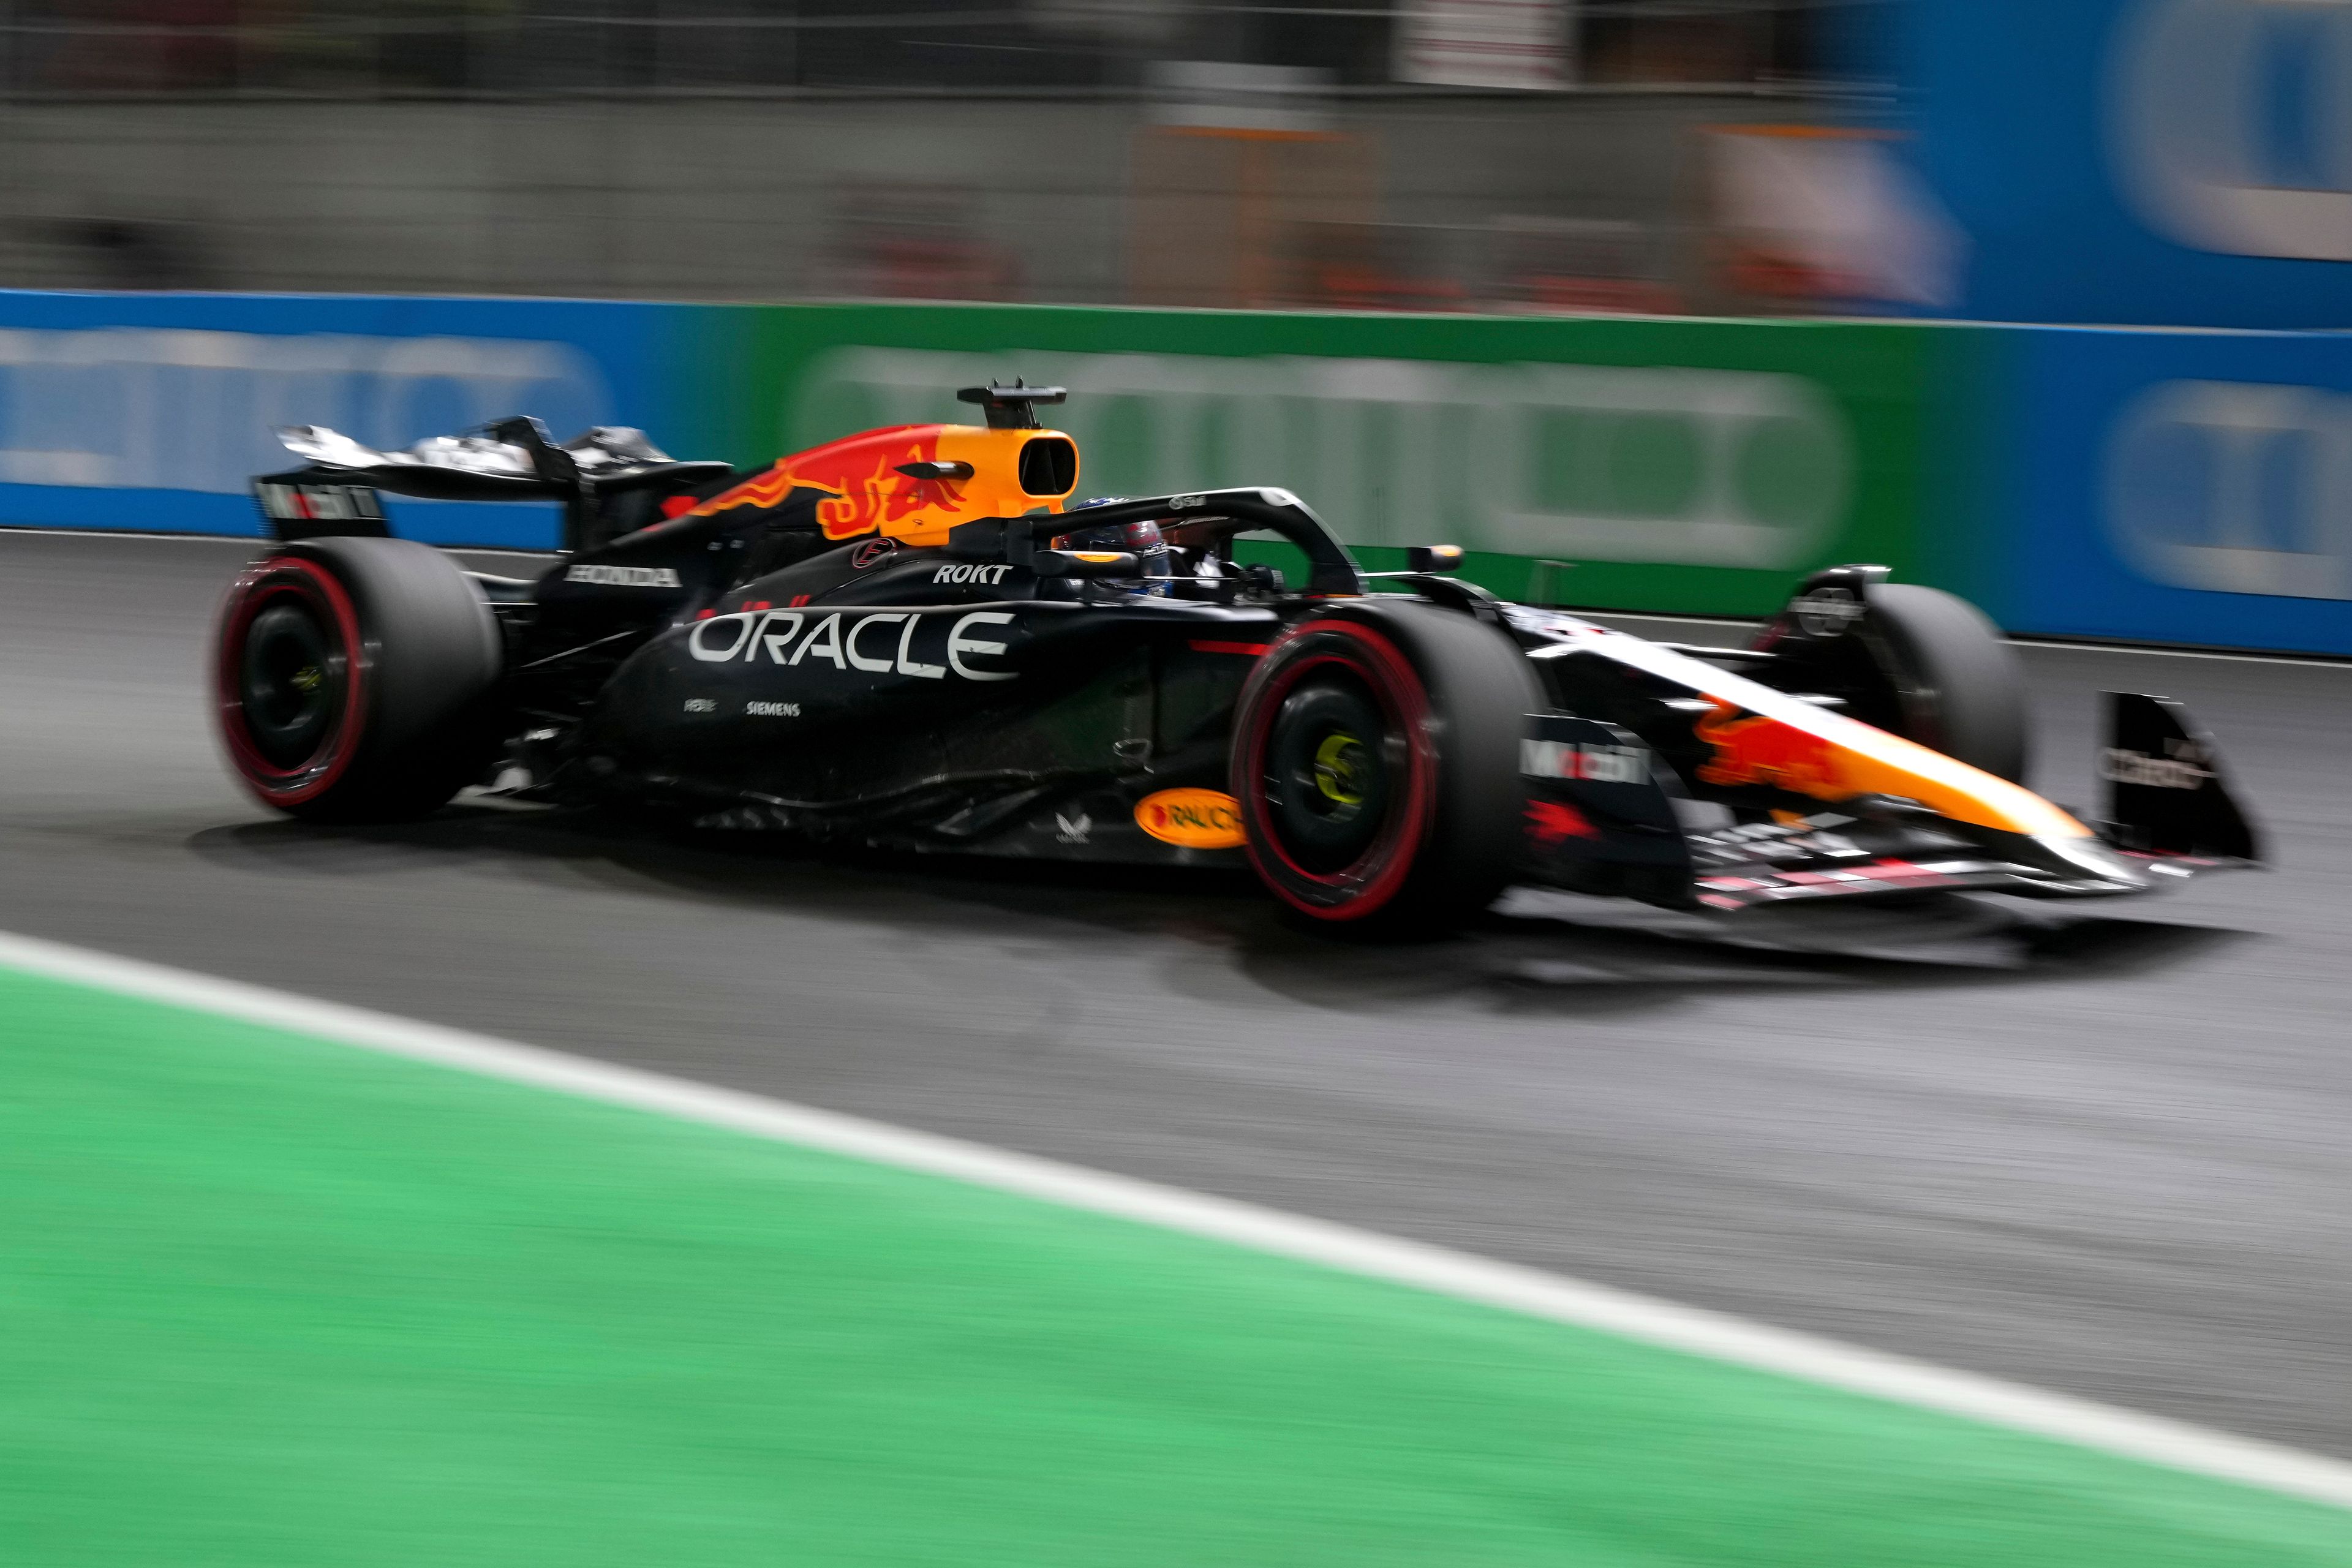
[1327, 777]
[1336, 772]
[290, 690]
[289, 682]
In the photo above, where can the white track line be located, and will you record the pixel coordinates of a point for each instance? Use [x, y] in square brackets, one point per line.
[1532, 1293]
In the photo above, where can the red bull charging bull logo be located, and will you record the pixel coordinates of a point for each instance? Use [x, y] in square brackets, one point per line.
[871, 492]
[862, 472]
[962, 472]
[1761, 750]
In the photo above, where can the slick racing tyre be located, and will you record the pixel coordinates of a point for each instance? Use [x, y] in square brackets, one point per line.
[349, 679]
[1958, 685]
[1376, 763]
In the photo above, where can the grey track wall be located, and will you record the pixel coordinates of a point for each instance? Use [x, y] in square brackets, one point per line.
[767, 198]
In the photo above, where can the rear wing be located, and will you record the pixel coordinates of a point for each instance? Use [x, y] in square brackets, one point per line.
[603, 478]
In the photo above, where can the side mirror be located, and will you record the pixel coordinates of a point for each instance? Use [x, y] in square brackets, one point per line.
[1433, 558]
[1263, 578]
[1085, 563]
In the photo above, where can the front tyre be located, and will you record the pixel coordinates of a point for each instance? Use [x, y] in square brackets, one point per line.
[1376, 762]
[350, 677]
[1959, 685]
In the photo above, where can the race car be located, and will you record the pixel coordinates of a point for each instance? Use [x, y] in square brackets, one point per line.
[914, 638]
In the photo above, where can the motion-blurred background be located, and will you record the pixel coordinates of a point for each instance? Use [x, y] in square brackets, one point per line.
[1540, 277]
[1428, 155]
[1656, 306]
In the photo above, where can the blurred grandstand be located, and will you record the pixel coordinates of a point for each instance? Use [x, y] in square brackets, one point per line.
[1532, 155]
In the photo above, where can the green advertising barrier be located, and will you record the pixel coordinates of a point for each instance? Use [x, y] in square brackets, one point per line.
[1701, 467]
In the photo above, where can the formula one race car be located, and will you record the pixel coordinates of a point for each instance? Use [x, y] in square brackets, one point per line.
[911, 638]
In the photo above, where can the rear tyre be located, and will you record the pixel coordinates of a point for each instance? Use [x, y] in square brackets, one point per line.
[1959, 686]
[1376, 762]
[350, 676]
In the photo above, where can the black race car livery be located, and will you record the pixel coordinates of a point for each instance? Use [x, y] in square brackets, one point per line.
[913, 638]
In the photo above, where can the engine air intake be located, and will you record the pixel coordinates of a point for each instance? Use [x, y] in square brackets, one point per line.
[1049, 466]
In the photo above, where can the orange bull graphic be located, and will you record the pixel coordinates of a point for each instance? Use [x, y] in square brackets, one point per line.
[1761, 750]
[869, 491]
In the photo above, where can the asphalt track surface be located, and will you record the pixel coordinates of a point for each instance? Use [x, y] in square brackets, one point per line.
[2100, 1148]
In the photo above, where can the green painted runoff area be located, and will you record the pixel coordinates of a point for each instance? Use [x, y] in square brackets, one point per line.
[269, 1300]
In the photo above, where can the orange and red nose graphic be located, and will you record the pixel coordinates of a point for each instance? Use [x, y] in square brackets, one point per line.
[1761, 750]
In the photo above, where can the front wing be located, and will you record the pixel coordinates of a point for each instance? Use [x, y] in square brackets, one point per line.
[1607, 814]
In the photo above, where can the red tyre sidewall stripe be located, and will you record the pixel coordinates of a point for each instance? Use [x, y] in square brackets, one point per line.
[1397, 687]
[297, 577]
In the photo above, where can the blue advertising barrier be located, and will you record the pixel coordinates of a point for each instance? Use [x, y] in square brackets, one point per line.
[2188, 487]
[2163, 161]
[154, 411]
[2169, 486]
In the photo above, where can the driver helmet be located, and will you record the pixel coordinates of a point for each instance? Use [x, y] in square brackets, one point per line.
[1140, 539]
